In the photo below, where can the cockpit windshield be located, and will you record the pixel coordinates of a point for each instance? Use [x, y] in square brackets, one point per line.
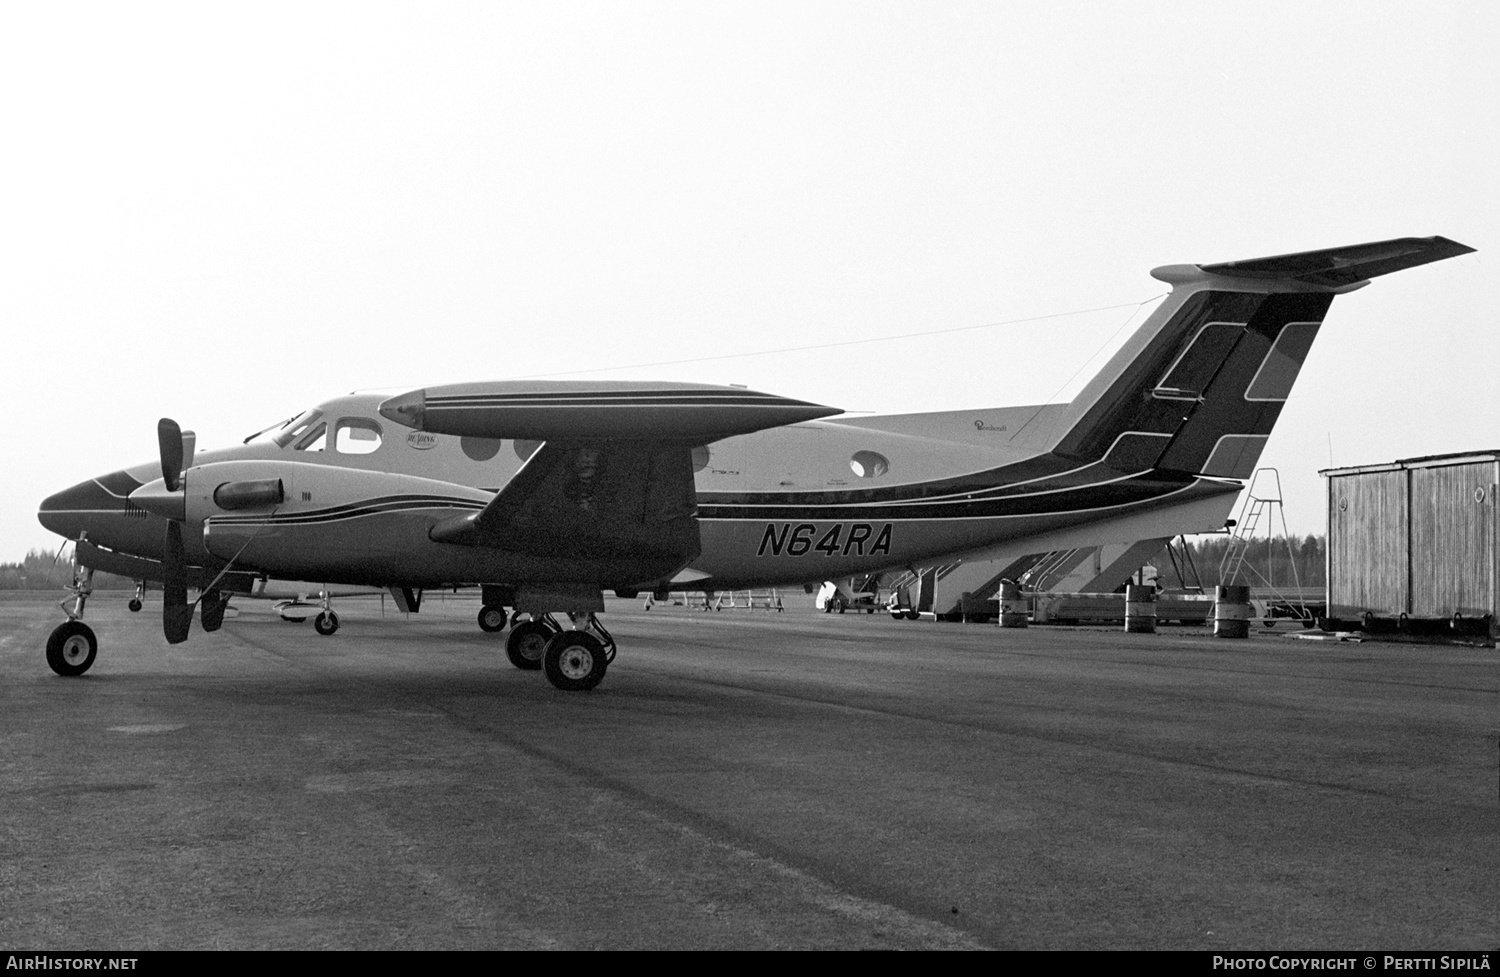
[289, 430]
[299, 428]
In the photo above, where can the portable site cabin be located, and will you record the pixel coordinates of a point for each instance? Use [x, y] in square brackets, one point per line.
[1415, 539]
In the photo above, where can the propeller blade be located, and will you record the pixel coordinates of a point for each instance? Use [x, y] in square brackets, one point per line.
[176, 612]
[169, 442]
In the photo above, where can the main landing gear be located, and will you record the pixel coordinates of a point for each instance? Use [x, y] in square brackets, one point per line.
[72, 647]
[573, 660]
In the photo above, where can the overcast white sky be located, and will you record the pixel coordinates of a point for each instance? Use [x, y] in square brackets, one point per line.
[224, 213]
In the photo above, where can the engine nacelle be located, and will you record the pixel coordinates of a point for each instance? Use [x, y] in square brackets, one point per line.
[327, 516]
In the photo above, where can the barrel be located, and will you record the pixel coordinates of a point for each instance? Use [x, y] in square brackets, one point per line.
[1013, 609]
[1232, 612]
[1140, 609]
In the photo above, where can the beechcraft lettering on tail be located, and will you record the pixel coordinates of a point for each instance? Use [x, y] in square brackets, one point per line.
[545, 495]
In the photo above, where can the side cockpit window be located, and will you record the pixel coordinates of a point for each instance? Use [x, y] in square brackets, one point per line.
[356, 436]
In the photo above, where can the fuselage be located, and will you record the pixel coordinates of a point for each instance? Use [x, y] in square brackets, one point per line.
[805, 502]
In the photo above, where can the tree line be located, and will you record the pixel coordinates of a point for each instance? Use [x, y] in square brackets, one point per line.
[41, 570]
[1280, 561]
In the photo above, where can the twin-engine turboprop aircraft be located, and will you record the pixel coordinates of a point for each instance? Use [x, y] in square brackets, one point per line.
[548, 494]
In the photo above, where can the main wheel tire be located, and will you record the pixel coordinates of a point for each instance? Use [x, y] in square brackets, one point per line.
[326, 623]
[71, 648]
[492, 619]
[527, 644]
[574, 661]
[134, 605]
[913, 616]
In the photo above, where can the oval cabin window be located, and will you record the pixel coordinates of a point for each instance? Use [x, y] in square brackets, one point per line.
[869, 464]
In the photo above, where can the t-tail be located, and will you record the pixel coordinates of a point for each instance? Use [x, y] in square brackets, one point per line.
[1199, 386]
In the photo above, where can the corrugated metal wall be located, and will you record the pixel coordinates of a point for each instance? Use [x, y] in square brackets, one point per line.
[1418, 539]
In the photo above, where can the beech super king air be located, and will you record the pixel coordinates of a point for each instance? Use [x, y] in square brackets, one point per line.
[547, 494]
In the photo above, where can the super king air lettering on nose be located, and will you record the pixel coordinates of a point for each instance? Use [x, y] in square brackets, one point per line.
[542, 496]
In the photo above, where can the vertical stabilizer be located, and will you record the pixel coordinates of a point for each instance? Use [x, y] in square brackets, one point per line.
[1200, 385]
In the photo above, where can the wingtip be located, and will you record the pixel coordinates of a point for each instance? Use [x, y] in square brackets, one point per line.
[408, 409]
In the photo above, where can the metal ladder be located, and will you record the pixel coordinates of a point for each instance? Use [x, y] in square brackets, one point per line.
[1262, 505]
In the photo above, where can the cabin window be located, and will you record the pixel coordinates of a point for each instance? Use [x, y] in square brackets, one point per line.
[356, 436]
[701, 455]
[525, 449]
[869, 464]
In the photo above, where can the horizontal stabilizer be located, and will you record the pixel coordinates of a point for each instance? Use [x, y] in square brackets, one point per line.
[594, 410]
[1341, 267]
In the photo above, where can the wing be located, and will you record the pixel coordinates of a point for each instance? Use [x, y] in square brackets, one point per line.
[625, 510]
[616, 410]
[612, 487]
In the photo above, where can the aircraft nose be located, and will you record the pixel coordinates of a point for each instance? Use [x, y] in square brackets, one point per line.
[59, 511]
[64, 512]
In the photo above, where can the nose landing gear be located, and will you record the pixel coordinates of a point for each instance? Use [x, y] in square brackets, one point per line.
[72, 646]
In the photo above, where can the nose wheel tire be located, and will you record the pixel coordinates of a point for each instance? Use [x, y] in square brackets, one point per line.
[492, 619]
[326, 623]
[71, 648]
[527, 644]
[574, 661]
[134, 605]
